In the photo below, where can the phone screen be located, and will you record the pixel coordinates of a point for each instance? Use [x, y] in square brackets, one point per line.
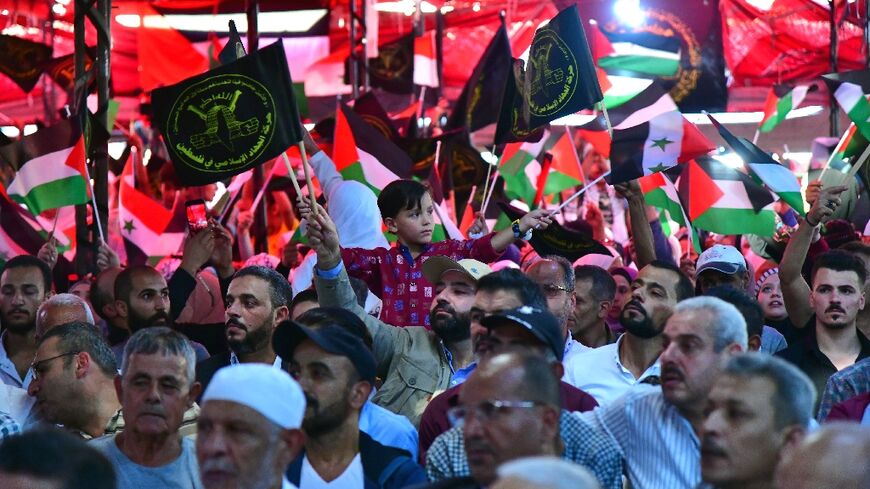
[196, 216]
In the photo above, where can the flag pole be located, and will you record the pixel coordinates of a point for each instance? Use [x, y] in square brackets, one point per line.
[854, 170]
[755, 137]
[310, 185]
[606, 118]
[94, 202]
[262, 190]
[836, 150]
[579, 193]
[489, 191]
[488, 174]
[292, 174]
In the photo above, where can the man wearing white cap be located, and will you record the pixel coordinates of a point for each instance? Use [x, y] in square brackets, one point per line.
[249, 428]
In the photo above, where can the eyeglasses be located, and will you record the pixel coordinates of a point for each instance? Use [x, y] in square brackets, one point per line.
[486, 411]
[553, 290]
[38, 367]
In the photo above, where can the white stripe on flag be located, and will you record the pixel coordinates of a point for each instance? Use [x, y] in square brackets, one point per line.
[847, 95]
[777, 177]
[43, 169]
[375, 172]
[664, 104]
[664, 142]
[632, 49]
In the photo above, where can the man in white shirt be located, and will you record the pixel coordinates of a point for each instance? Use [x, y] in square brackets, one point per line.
[337, 372]
[266, 405]
[25, 283]
[610, 371]
[555, 275]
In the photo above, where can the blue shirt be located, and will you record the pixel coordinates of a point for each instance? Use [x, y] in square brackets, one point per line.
[389, 428]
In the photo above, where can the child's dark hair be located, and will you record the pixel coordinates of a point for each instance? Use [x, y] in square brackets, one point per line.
[400, 195]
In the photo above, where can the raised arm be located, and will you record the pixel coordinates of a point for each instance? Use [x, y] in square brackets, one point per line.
[640, 229]
[795, 290]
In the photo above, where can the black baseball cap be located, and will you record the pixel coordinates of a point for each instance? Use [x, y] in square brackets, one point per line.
[332, 338]
[540, 322]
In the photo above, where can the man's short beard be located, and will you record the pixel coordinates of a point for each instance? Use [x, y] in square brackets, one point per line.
[256, 339]
[18, 328]
[325, 419]
[642, 327]
[454, 329]
[136, 322]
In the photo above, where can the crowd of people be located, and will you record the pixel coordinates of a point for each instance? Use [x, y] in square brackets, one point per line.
[452, 364]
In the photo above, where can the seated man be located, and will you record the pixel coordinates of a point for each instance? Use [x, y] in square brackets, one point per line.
[845, 384]
[50, 459]
[337, 372]
[833, 457]
[60, 309]
[268, 405]
[759, 407]
[155, 388]
[74, 381]
[532, 332]
[655, 429]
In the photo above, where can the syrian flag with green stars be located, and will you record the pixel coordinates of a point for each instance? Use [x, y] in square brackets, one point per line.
[723, 200]
[653, 146]
[765, 169]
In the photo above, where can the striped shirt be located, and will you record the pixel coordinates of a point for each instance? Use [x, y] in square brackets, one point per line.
[660, 448]
[446, 457]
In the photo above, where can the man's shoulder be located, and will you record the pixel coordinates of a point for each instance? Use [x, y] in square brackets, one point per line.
[451, 483]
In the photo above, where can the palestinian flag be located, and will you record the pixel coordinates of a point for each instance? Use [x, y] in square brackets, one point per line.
[850, 90]
[445, 227]
[653, 146]
[49, 167]
[765, 169]
[426, 60]
[17, 233]
[722, 200]
[143, 223]
[780, 101]
[565, 170]
[641, 54]
[659, 191]
[652, 101]
[515, 160]
[851, 144]
[363, 154]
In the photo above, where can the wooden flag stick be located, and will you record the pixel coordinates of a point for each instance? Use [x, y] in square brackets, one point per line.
[292, 174]
[308, 178]
[854, 170]
[489, 193]
[755, 137]
[488, 174]
[262, 190]
[606, 118]
[94, 202]
[579, 193]
[836, 150]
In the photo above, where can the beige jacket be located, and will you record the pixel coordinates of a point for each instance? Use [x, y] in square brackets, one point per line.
[411, 361]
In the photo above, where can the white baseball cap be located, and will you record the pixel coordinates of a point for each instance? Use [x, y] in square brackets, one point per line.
[722, 258]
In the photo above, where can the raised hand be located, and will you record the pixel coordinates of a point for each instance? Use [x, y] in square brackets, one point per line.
[824, 206]
[198, 248]
[222, 251]
[323, 238]
[106, 257]
[48, 252]
[537, 219]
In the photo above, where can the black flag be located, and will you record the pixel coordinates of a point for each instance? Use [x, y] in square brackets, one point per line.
[478, 104]
[560, 77]
[229, 119]
[557, 240]
[22, 60]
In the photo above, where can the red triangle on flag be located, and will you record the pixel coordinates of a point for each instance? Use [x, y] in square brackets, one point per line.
[344, 150]
[694, 143]
[703, 192]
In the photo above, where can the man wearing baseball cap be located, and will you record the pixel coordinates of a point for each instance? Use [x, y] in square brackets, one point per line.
[248, 430]
[415, 362]
[721, 265]
[337, 372]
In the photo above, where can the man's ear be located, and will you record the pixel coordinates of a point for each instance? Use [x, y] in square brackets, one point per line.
[82, 364]
[193, 394]
[121, 309]
[604, 308]
[281, 314]
[391, 224]
[755, 342]
[359, 394]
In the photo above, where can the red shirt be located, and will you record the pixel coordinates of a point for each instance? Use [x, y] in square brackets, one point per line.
[397, 278]
[434, 420]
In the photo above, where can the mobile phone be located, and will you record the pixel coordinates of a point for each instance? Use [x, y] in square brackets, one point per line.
[197, 219]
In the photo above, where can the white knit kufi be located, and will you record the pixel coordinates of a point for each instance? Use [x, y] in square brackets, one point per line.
[270, 391]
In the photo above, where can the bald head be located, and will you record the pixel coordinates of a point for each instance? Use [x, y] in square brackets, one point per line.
[103, 293]
[834, 457]
[61, 309]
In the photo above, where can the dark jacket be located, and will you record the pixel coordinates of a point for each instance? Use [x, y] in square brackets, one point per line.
[451, 483]
[383, 467]
[206, 369]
